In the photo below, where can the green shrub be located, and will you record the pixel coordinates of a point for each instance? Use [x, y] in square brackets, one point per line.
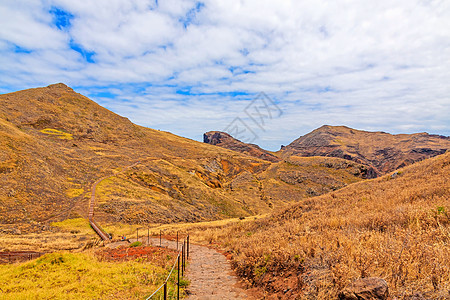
[136, 244]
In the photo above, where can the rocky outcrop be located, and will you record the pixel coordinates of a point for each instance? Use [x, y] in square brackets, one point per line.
[226, 141]
[365, 289]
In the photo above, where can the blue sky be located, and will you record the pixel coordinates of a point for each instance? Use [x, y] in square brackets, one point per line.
[189, 67]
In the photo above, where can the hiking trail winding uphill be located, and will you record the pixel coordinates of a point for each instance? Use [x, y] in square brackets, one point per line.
[209, 273]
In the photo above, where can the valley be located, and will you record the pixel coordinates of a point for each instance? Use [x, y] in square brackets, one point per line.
[303, 222]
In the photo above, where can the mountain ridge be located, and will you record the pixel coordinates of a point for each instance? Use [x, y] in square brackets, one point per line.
[382, 151]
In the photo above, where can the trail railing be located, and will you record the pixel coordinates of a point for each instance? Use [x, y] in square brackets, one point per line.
[103, 235]
[180, 262]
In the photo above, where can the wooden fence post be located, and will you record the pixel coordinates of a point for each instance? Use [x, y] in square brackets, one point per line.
[182, 260]
[178, 285]
[188, 247]
[165, 290]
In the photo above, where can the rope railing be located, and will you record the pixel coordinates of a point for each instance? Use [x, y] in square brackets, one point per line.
[183, 255]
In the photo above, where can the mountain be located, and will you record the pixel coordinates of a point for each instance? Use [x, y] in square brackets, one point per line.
[226, 141]
[381, 151]
[55, 144]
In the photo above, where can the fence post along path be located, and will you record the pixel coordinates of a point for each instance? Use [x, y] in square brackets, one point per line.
[180, 263]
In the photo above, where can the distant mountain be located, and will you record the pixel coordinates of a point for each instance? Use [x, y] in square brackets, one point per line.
[55, 143]
[381, 151]
[226, 141]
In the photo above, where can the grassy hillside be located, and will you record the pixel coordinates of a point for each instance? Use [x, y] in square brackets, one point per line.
[396, 227]
[55, 143]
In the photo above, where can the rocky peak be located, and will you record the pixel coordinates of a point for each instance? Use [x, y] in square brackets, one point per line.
[217, 137]
[224, 140]
[59, 86]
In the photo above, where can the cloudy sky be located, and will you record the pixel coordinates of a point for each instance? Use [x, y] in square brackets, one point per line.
[268, 71]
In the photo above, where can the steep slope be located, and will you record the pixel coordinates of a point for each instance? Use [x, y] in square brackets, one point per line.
[55, 143]
[226, 141]
[382, 151]
[395, 227]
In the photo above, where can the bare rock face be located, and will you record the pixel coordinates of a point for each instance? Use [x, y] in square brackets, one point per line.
[224, 140]
[365, 289]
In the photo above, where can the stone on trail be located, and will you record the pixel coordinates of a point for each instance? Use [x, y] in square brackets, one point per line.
[365, 289]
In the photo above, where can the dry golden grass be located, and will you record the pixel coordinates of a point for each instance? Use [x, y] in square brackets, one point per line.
[44, 242]
[81, 276]
[57, 133]
[130, 231]
[395, 227]
[74, 234]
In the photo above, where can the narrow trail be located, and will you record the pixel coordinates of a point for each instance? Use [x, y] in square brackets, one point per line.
[210, 274]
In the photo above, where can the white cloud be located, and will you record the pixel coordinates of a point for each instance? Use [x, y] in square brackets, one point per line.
[380, 65]
[25, 25]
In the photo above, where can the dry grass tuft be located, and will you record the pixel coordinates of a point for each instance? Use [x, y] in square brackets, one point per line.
[57, 133]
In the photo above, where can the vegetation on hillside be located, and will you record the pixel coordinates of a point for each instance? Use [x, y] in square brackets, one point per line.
[396, 227]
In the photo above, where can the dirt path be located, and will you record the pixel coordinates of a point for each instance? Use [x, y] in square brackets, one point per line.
[210, 274]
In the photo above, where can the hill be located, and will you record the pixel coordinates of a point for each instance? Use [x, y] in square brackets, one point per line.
[55, 143]
[383, 152]
[59, 142]
[395, 227]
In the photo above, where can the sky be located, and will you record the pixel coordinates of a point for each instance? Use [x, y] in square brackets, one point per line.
[265, 71]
